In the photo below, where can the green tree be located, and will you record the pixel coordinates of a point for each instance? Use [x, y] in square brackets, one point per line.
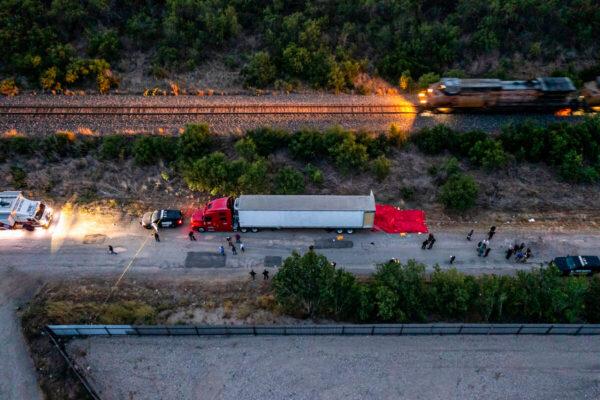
[246, 148]
[260, 71]
[115, 147]
[253, 179]
[489, 154]
[310, 286]
[289, 181]
[592, 305]
[351, 156]
[459, 193]
[213, 173]
[195, 141]
[451, 293]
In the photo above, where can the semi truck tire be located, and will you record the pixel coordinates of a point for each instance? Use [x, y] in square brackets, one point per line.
[201, 229]
[349, 231]
[339, 231]
[254, 230]
[243, 230]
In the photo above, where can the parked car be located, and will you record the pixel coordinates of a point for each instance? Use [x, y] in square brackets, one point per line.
[587, 265]
[162, 219]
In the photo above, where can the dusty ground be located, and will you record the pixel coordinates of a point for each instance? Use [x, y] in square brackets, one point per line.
[473, 367]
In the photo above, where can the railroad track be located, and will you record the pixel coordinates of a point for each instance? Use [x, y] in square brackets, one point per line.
[245, 109]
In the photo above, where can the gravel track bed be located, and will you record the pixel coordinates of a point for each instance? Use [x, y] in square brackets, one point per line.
[432, 367]
[101, 125]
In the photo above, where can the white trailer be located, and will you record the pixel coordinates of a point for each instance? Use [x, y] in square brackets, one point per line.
[342, 213]
[18, 212]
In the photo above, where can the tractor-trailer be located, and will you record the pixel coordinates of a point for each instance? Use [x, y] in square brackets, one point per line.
[254, 212]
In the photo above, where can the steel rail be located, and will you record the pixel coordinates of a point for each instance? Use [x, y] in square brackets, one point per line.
[245, 109]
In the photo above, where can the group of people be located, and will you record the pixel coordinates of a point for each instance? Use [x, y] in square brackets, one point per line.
[483, 247]
[521, 254]
[428, 243]
[238, 240]
[265, 274]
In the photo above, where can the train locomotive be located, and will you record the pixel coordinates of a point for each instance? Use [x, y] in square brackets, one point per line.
[543, 94]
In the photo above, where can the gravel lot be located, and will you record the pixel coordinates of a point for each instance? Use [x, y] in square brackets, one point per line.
[431, 367]
[238, 123]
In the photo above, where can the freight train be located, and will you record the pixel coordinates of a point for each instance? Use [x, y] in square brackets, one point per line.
[543, 94]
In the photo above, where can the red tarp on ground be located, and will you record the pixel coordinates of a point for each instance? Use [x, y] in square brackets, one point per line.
[392, 220]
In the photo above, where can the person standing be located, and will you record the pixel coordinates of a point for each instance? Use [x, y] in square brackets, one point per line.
[491, 233]
[222, 250]
[242, 248]
[191, 236]
[233, 249]
[424, 244]
[238, 238]
[487, 251]
[253, 274]
[156, 237]
[509, 252]
[265, 275]
[430, 237]
[111, 250]
[431, 242]
[452, 258]
[469, 235]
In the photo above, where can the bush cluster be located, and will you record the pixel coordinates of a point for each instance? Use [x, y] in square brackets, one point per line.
[310, 286]
[572, 149]
[326, 44]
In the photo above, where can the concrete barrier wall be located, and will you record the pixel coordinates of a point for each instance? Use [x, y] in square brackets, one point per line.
[308, 330]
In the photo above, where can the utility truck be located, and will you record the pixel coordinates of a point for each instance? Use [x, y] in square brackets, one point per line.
[255, 212]
[18, 212]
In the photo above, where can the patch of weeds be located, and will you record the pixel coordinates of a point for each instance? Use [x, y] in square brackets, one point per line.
[19, 177]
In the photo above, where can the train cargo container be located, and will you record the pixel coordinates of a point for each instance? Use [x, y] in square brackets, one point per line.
[254, 212]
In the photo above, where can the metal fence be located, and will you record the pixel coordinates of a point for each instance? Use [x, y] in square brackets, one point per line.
[317, 330]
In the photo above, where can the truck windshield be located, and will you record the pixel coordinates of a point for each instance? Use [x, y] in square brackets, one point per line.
[40, 211]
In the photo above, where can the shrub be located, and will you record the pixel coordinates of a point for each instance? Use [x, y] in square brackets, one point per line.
[60, 144]
[592, 305]
[21, 145]
[397, 137]
[488, 154]
[115, 147]
[148, 150]
[315, 175]
[254, 178]
[289, 181]
[213, 173]
[195, 141]
[310, 286]
[451, 293]
[400, 291]
[246, 149]
[260, 71]
[381, 168]
[427, 79]
[350, 156]
[459, 193]
[434, 140]
[8, 87]
[307, 145]
[19, 177]
[104, 44]
[572, 169]
[267, 140]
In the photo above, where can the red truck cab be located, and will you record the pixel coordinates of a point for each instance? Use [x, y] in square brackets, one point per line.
[217, 216]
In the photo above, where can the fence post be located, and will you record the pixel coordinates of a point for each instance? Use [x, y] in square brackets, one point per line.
[579, 329]
[549, 329]
[520, 329]
[107, 331]
[372, 330]
[343, 328]
[254, 329]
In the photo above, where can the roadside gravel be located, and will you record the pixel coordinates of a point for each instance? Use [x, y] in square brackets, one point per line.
[432, 367]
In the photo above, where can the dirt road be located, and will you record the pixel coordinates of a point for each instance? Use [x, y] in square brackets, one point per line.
[473, 367]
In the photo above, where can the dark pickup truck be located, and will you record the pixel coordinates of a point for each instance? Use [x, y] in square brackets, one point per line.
[587, 265]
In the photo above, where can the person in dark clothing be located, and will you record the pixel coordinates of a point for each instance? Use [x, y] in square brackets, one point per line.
[491, 233]
[242, 248]
[191, 236]
[509, 252]
[521, 246]
[228, 238]
[238, 238]
[265, 275]
[222, 250]
[253, 274]
[430, 237]
[233, 249]
[156, 237]
[487, 251]
[111, 250]
[452, 258]
[424, 244]
[311, 247]
[431, 242]
[230, 244]
[333, 264]
[528, 253]
[469, 235]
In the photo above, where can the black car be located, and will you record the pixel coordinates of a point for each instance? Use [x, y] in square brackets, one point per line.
[162, 219]
[578, 264]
